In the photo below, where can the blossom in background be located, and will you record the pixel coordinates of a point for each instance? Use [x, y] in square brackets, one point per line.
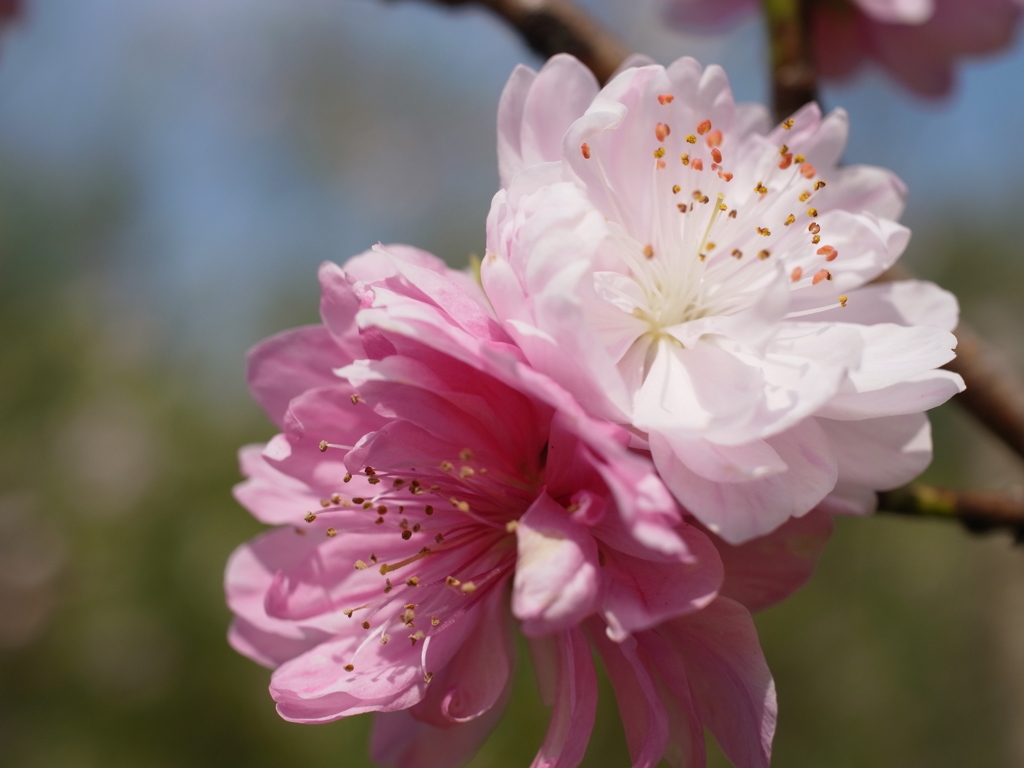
[686, 272]
[432, 491]
[916, 41]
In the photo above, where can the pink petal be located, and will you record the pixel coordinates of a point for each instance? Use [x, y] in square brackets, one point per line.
[643, 714]
[641, 593]
[740, 511]
[286, 365]
[766, 570]
[567, 654]
[731, 684]
[556, 583]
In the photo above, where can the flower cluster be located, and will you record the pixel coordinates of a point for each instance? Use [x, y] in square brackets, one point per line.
[627, 435]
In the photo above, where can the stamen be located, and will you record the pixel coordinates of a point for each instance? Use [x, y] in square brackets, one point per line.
[585, 150]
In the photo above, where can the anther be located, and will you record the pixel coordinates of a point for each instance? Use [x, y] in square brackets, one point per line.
[787, 123]
[790, 219]
[417, 635]
[358, 500]
[807, 171]
[356, 398]
[842, 301]
[382, 509]
[714, 139]
[685, 158]
[703, 126]
[675, 189]
[468, 587]
[429, 509]
[799, 159]
[732, 214]
[428, 676]
[761, 189]
[762, 255]
[347, 478]
[814, 228]
[659, 153]
[737, 253]
[336, 499]
[384, 639]
[434, 621]
[716, 155]
[661, 131]
[812, 212]
[323, 446]
[451, 581]
[325, 502]
[331, 533]
[697, 164]
[406, 535]
[665, 98]
[310, 517]
[725, 175]
[816, 239]
[367, 505]
[819, 184]
[511, 526]
[786, 161]
[447, 466]
[648, 251]
[373, 480]
[412, 581]
[360, 565]
[585, 150]
[764, 231]
[828, 252]
[796, 274]
[821, 274]
[691, 139]
[349, 667]
[398, 482]
[366, 625]
[805, 196]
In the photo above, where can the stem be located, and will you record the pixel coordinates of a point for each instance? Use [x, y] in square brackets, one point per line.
[558, 26]
[977, 511]
[794, 80]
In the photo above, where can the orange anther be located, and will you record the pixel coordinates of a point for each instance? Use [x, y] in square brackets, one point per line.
[807, 171]
[725, 175]
[697, 164]
[716, 154]
[703, 127]
[714, 138]
[821, 274]
[661, 131]
[665, 98]
[828, 252]
[585, 149]
[796, 274]
[786, 161]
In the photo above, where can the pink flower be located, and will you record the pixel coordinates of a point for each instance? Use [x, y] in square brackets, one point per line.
[916, 41]
[701, 280]
[431, 491]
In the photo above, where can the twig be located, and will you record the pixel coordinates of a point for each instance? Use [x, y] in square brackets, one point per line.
[978, 511]
[559, 26]
[794, 81]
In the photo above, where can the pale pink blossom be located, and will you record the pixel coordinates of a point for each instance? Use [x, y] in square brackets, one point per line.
[431, 492]
[700, 278]
[915, 41]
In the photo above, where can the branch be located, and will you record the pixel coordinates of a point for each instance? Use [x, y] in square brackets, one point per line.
[994, 394]
[558, 26]
[977, 511]
[794, 81]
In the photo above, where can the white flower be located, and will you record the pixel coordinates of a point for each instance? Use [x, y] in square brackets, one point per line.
[686, 272]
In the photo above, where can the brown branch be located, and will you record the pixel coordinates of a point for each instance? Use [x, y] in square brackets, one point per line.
[794, 80]
[995, 393]
[977, 511]
[558, 26]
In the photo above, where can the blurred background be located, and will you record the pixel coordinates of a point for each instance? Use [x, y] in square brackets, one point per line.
[171, 174]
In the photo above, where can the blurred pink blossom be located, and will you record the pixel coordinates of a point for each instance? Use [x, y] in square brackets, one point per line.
[915, 41]
[700, 278]
[459, 492]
